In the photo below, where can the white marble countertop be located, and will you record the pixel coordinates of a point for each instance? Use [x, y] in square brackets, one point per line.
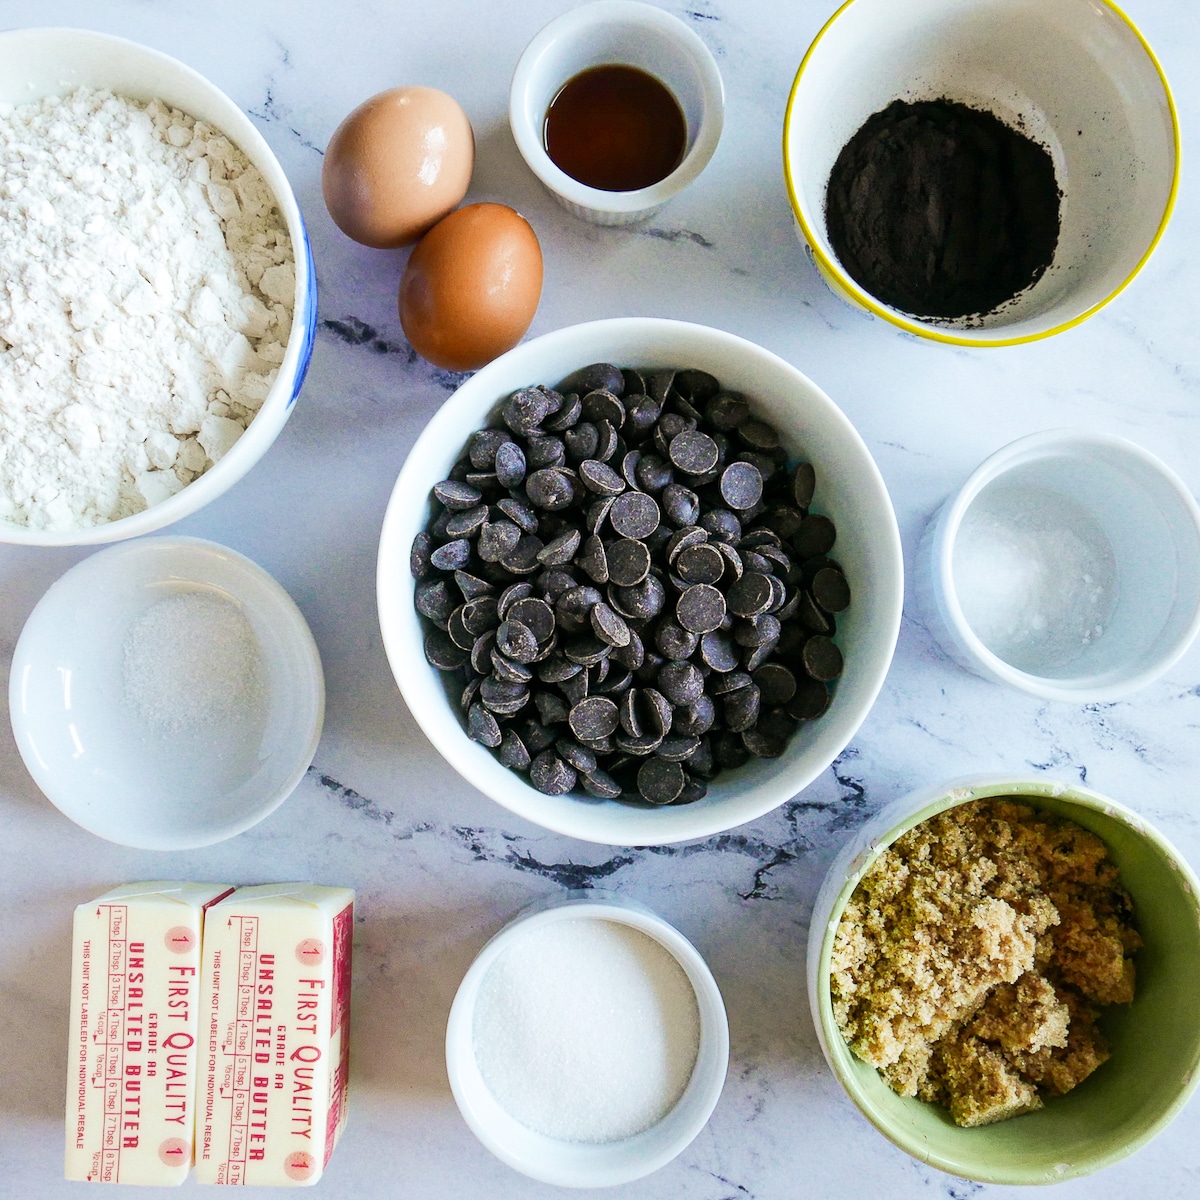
[437, 866]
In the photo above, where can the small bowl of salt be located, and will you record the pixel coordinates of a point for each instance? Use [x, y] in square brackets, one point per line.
[587, 1045]
[1067, 565]
[166, 694]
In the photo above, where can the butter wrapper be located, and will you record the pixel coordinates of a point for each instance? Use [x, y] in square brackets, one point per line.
[275, 1034]
[135, 1007]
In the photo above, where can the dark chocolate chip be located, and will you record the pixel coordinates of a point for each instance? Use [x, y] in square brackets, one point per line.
[681, 682]
[660, 781]
[642, 601]
[674, 642]
[758, 435]
[681, 504]
[741, 485]
[452, 556]
[457, 496]
[815, 536]
[822, 659]
[525, 410]
[442, 653]
[601, 785]
[750, 595]
[776, 684]
[522, 558]
[803, 482]
[520, 514]
[503, 698]
[608, 626]
[599, 477]
[550, 488]
[628, 562]
[434, 600]
[830, 590]
[634, 515]
[693, 452]
[696, 719]
[700, 564]
[536, 615]
[701, 608]
[497, 539]
[718, 651]
[549, 774]
[513, 752]
[560, 550]
[482, 727]
[594, 717]
[510, 465]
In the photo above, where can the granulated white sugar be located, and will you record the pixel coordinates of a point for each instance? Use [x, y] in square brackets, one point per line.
[191, 660]
[1035, 576]
[586, 1030]
[147, 298]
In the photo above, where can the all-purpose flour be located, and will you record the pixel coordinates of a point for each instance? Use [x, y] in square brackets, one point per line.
[146, 291]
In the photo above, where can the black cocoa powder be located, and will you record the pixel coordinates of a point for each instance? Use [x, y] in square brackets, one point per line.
[941, 210]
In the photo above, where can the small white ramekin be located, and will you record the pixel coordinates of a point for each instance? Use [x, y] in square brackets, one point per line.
[1152, 524]
[97, 762]
[43, 62]
[583, 1164]
[636, 35]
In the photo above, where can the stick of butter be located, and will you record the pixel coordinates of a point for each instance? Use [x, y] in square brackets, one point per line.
[275, 1036]
[131, 1069]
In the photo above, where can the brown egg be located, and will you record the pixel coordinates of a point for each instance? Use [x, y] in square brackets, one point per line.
[471, 287]
[397, 165]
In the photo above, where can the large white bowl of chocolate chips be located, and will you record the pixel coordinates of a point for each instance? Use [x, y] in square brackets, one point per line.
[640, 581]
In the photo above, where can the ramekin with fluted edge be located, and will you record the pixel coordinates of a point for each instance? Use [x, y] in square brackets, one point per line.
[1076, 75]
[1151, 523]
[632, 34]
[585, 1164]
[41, 62]
[850, 491]
[1155, 1064]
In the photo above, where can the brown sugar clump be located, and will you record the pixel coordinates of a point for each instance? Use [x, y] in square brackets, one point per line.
[969, 965]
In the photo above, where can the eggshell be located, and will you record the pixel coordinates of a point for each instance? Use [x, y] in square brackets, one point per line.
[471, 287]
[397, 165]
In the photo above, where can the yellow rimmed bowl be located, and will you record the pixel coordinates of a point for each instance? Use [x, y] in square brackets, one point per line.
[1076, 75]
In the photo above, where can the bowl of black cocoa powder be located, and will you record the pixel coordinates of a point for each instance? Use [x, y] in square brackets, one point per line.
[980, 173]
[639, 581]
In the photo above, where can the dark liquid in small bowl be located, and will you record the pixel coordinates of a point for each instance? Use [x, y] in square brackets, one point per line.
[615, 128]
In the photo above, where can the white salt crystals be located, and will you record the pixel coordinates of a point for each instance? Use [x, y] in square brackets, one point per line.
[586, 1030]
[191, 660]
[1035, 575]
[146, 307]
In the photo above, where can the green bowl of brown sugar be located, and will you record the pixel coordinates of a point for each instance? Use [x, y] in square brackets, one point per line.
[1140, 892]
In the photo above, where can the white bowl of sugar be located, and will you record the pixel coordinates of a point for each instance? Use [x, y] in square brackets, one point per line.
[587, 1045]
[166, 694]
[1067, 565]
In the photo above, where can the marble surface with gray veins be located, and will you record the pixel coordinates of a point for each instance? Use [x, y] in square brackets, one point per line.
[439, 867]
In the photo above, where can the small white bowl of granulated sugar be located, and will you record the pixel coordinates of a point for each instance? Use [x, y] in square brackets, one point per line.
[587, 1045]
[159, 304]
[166, 694]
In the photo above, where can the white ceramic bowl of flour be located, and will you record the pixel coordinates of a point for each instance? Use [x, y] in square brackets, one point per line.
[1067, 565]
[35, 63]
[588, 1017]
[166, 694]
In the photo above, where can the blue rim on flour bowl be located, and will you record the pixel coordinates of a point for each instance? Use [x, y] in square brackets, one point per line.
[1076, 75]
